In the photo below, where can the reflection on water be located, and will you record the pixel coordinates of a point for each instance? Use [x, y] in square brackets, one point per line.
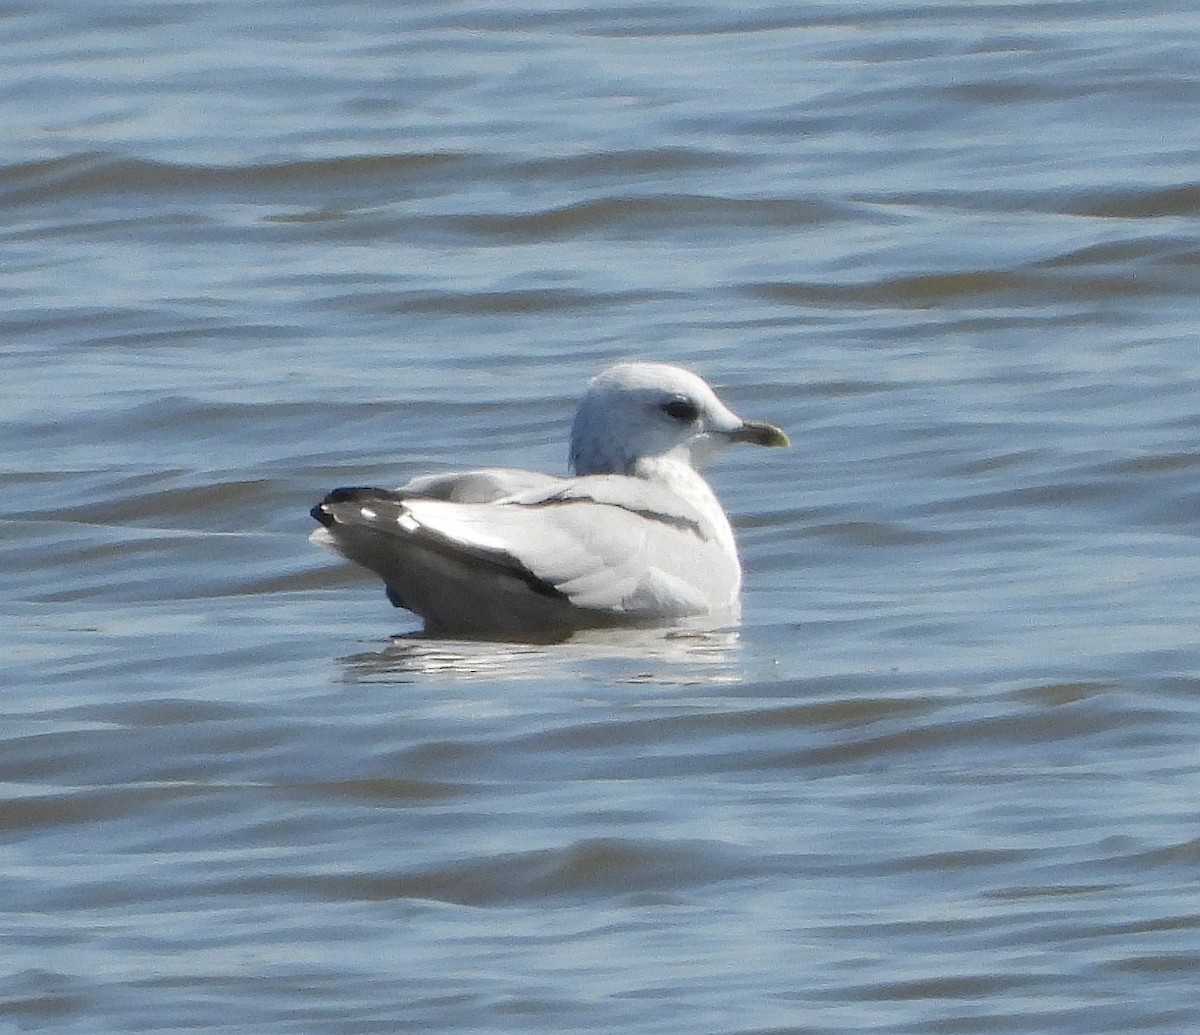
[670, 656]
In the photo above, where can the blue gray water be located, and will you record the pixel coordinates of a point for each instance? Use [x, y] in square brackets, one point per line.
[943, 778]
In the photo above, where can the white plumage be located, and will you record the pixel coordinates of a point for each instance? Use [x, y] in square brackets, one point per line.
[637, 537]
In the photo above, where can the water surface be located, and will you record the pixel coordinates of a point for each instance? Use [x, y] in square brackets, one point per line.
[943, 776]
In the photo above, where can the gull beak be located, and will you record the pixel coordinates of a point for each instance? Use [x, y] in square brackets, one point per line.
[759, 433]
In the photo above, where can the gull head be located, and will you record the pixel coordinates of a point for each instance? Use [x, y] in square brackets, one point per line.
[633, 412]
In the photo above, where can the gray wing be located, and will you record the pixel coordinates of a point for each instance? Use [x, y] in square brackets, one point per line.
[605, 544]
[482, 486]
[635, 495]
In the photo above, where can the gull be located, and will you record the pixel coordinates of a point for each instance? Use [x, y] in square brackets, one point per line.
[636, 537]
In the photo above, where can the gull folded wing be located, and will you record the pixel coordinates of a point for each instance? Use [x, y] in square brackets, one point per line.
[584, 551]
[485, 485]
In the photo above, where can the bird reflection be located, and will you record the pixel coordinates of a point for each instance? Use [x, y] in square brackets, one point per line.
[679, 656]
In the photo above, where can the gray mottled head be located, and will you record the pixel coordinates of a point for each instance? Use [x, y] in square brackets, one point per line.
[634, 411]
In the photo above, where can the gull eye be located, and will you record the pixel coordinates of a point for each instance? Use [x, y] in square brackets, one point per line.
[683, 410]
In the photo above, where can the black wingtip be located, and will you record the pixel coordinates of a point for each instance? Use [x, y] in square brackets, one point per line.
[349, 494]
[359, 494]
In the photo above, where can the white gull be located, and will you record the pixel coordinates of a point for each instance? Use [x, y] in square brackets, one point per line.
[637, 537]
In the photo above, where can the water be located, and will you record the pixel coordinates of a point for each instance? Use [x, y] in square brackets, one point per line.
[943, 778]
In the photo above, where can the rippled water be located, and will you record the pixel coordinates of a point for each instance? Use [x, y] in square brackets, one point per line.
[944, 776]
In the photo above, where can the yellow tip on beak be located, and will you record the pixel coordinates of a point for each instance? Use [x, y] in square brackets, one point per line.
[760, 433]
